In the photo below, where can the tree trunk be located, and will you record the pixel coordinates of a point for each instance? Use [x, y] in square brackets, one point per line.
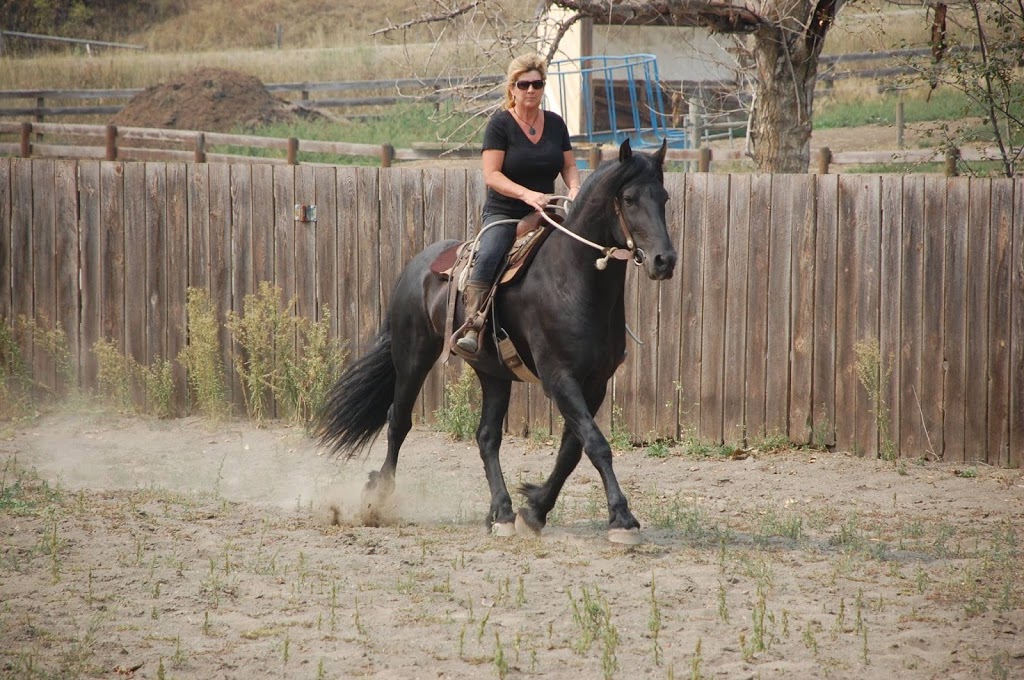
[782, 120]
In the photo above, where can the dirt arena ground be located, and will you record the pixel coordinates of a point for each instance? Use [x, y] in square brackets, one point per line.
[186, 549]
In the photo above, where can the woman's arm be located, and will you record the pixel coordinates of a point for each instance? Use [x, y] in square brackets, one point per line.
[571, 174]
[492, 160]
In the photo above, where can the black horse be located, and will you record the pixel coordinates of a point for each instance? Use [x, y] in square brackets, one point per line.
[565, 316]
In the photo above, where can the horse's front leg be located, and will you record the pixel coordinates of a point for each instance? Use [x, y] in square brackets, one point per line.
[496, 392]
[578, 411]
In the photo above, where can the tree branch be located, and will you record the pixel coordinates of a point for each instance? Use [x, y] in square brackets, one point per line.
[717, 17]
[430, 18]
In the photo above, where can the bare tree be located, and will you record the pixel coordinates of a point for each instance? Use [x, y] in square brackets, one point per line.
[788, 36]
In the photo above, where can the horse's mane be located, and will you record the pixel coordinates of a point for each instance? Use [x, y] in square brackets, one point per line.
[601, 187]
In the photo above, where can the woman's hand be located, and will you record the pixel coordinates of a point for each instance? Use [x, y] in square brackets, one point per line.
[572, 193]
[536, 200]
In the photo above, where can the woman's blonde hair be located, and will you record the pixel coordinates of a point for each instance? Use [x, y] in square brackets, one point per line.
[520, 65]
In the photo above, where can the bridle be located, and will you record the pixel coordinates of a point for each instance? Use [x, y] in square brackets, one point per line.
[609, 252]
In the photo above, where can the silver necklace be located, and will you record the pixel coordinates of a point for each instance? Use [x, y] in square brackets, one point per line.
[533, 130]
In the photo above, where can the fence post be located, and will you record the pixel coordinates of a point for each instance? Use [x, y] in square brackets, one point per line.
[26, 140]
[899, 123]
[387, 154]
[824, 160]
[111, 142]
[293, 151]
[704, 163]
[952, 157]
[200, 150]
[594, 158]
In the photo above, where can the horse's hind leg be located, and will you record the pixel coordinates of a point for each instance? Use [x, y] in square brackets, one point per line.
[412, 367]
[488, 437]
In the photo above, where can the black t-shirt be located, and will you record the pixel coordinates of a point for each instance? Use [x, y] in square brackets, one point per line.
[534, 166]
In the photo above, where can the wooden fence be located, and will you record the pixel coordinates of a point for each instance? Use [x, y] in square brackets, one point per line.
[780, 279]
[111, 142]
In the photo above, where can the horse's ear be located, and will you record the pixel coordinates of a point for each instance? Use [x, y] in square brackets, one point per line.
[625, 151]
[659, 157]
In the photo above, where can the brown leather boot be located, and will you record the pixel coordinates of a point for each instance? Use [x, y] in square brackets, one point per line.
[473, 298]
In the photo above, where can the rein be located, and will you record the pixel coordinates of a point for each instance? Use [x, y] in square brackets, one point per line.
[609, 252]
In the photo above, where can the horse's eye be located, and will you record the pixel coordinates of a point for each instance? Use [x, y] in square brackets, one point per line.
[628, 200]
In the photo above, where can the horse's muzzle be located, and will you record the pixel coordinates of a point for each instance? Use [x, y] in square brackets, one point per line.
[661, 266]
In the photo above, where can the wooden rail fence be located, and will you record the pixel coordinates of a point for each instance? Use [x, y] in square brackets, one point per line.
[780, 280]
[110, 142]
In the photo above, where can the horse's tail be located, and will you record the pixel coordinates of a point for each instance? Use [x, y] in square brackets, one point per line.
[357, 405]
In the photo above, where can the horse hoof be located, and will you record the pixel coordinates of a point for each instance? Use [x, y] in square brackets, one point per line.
[503, 529]
[524, 529]
[625, 536]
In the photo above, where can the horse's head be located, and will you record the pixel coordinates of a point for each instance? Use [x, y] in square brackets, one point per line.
[640, 207]
[634, 186]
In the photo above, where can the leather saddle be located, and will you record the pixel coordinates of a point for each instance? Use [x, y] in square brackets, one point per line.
[531, 231]
[453, 264]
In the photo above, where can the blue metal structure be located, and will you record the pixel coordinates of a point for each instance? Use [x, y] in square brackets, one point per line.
[633, 77]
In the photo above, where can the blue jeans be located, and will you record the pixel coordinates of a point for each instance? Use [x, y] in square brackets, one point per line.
[494, 246]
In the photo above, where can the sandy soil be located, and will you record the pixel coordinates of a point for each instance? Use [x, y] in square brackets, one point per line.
[185, 549]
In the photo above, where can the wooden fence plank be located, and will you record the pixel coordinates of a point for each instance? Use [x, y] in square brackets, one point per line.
[305, 245]
[645, 357]
[177, 277]
[1017, 329]
[220, 270]
[869, 236]
[913, 435]
[22, 235]
[6, 238]
[326, 181]
[241, 245]
[976, 342]
[433, 231]
[89, 262]
[43, 269]
[135, 274]
[284, 239]
[734, 375]
[857, 308]
[1001, 265]
[783, 215]
[825, 305]
[688, 270]
[802, 310]
[348, 248]
[156, 261]
[66, 247]
[716, 247]
[890, 313]
[199, 225]
[369, 234]
[263, 216]
[670, 326]
[954, 318]
[931, 310]
[112, 258]
[392, 205]
[757, 306]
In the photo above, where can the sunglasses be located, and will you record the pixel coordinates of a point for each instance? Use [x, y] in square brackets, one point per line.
[526, 84]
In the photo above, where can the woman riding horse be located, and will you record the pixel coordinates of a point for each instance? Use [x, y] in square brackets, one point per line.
[566, 317]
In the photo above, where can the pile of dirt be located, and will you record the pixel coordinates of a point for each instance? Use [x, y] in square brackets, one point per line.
[208, 99]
